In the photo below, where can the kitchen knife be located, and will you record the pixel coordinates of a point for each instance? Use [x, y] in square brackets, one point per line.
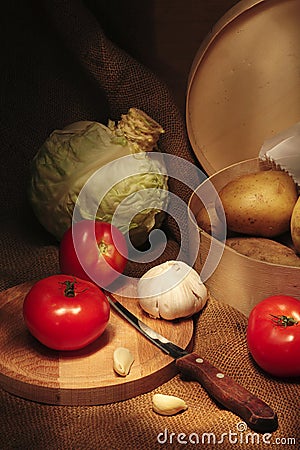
[222, 388]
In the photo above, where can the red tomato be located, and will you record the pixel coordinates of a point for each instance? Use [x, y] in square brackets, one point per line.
[93, 250]
[65, 313]
[273, 335]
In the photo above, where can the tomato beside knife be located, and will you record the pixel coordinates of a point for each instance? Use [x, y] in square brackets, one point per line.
[273, 335]
[65, 313]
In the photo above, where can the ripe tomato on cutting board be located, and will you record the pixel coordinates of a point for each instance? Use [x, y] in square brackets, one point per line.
[65, 313]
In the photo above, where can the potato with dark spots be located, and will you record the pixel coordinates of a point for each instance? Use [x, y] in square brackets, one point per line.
[264, 249]
[260, 203]
[295, 226]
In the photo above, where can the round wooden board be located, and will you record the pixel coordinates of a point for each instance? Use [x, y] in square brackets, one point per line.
[85, 377]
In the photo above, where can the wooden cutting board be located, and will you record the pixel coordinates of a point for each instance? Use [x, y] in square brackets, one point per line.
[84, 377]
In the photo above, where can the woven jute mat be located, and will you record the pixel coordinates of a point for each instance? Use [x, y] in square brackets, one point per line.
[59, 67]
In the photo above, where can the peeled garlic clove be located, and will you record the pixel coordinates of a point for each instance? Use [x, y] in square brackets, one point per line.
[123, 360]
[168, 405]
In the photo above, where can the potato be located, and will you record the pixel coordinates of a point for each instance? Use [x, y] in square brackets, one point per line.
[260, 203]
[295, 226]
[264, 250]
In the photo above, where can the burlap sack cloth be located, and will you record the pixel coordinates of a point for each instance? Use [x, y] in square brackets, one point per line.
[58, 67]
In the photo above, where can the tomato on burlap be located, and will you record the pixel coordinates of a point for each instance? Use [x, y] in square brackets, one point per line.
[273, 335]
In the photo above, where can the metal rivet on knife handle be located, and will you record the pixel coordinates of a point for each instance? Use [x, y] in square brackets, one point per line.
[256, 413]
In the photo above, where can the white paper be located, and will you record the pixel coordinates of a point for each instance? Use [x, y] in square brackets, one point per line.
[283, 149]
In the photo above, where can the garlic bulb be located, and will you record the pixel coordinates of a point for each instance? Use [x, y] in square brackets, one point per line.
[171, 290]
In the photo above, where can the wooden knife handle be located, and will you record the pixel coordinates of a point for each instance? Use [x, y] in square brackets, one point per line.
[256, 413]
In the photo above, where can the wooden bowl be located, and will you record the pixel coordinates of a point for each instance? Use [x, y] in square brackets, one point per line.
[237, 279]
[243, 88]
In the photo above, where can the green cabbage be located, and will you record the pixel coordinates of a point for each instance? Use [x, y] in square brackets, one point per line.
[106, 172]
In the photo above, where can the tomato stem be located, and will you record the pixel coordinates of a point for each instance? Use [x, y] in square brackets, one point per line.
[284, 321]
[102, 247]
[70, 288]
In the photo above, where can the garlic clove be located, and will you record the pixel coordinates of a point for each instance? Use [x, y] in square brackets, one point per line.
[122, 361]
[168, 405]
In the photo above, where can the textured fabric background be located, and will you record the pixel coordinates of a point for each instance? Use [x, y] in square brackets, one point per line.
[59, 67]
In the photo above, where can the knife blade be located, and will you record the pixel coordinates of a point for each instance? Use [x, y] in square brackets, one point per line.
[223, 389]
